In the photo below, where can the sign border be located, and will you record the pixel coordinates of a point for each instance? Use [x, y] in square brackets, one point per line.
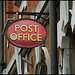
[24, 19]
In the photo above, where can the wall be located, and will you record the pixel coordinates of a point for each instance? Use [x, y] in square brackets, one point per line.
[67, 52]
[47, 41]
[10, 8]
[30, 6]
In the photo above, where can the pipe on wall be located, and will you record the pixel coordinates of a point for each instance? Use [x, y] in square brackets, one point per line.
[53, 36]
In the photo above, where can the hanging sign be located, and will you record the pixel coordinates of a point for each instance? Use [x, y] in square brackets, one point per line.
[26, 33]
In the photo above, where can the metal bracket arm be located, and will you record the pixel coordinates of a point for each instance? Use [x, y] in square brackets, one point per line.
[27, 13]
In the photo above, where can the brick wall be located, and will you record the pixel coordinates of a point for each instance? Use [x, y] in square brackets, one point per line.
[30, 5]
[7, 52]
[47, 41]
[10, 7]
[16, 9]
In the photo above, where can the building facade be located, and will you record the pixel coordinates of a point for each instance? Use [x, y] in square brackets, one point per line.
[2, 40]
[19, 60]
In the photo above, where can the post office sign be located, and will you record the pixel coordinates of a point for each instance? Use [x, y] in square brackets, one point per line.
[26, 33]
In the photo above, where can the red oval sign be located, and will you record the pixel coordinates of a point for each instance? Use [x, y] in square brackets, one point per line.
[26, 33]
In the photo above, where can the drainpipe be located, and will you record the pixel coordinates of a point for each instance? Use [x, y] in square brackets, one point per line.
[0, 35]
[53, 36]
